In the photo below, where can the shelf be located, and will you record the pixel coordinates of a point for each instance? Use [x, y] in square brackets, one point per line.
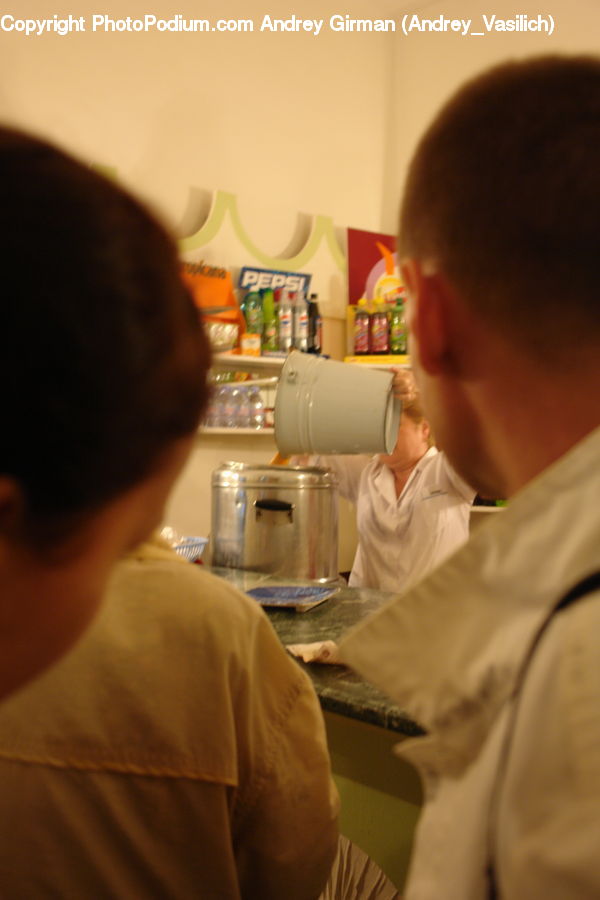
[232, 432]
[248, 363]
[383, 362]
[275, 363]
[270, 382]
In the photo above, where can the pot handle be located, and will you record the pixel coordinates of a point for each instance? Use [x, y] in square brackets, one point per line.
[274, 506]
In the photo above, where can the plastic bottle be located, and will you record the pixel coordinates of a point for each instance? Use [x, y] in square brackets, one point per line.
[220, 403]
[285, 314]
[253, 313]
[315, 326]
[270, 330]
[256, 418]
[210, 414]
[397, 328]
[300, 322]
[362, 321]
[244, 407]
[231, 406]
[380, 330]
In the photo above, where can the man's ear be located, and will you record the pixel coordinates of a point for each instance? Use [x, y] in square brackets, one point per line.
[430, 308]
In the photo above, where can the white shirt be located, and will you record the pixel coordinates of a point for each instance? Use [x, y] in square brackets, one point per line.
[450, 651]
[401, 539]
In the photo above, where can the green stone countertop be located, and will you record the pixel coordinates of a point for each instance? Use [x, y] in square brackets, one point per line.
[340, 690]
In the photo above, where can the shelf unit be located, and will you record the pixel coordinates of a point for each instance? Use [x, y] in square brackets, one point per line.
[267, 368]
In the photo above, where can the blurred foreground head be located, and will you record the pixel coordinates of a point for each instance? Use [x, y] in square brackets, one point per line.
[103, 368]
[500, 238]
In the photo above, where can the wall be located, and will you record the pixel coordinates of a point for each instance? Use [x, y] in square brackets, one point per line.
[289, 122]
[288, 117]
[427, 67]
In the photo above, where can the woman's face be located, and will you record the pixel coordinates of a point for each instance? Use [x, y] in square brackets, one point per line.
[47, 600]
[411, 444]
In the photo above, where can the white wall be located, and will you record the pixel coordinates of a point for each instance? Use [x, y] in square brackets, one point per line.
[428, 67]
[289, 119]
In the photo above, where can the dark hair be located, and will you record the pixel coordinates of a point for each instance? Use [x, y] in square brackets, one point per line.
[103, 360]
[503, 194]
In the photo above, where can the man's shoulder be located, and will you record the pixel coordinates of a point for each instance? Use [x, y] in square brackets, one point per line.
[179, 592]
[152, 685]
[194, 621]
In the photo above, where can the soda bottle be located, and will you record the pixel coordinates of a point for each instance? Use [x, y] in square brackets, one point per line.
[253, 313]
[362, 322]
[285, 313]
[300, 322]
[398, 329]
[270, 331]
[315, 326]
[380, 330]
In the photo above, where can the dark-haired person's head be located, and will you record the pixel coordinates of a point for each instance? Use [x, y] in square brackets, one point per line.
[500, 238]
[103, 374]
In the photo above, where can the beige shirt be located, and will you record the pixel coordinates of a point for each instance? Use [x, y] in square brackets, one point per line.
[449, 653]
[176, 752]
[402, 539]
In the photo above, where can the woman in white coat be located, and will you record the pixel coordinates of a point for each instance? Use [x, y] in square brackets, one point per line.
[412, 509]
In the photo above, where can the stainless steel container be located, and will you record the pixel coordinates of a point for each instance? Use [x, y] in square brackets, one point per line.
[277, 519]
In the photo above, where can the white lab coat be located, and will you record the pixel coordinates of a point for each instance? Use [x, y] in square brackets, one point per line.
[450, 653]
[401, 539]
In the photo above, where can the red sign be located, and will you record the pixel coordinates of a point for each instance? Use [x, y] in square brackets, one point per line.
[372, 266]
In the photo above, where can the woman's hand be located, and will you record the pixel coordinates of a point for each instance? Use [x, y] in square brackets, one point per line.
[404, 385]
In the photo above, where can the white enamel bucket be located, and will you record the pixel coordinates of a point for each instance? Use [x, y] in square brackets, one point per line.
[324, 406]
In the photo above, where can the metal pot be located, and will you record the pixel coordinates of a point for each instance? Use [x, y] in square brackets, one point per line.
[277, 519]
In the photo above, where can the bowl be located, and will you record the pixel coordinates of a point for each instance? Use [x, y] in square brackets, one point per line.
[190, 547]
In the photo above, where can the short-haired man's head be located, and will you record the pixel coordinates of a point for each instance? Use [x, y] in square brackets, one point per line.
[503, 196]
[103, 361]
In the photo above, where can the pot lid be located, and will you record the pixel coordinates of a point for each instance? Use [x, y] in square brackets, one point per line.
[249, 475]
